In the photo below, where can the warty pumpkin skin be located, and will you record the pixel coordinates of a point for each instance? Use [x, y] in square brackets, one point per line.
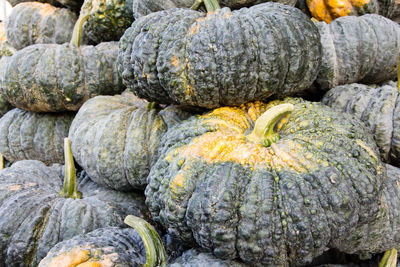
[55, 78]
[219, 58]
[115, 138]
[358, 49]
[42, 217]
[319, 182]
[29, 135]
[108, 19]
[144, 7]
[378, 107]
[39, 23]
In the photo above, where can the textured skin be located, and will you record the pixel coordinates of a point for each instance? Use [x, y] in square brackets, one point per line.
[39, 136]
[37, 23]
[224, 58]
[195, 258]
[115, 139]
[6, 50]
[358, 49]
[328, 10]
[378, 107]
[317, 187]
[144, 7]
[41, 218]
[54, 78]
[110, 246]
[108, 19]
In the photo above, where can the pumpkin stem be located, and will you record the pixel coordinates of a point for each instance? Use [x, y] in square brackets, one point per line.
[389, 258]
[1, 161]
[155, 251]
[263, 132]
[77, 33]
[69, 187]
[211, 5]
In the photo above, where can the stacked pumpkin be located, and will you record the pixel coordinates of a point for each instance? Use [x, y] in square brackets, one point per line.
[252, 183]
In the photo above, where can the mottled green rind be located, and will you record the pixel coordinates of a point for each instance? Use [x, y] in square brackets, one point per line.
[37, 23]
[271, 216]
[144, 7]
[6, 49]
[115, 139]
[358, 49]
[108, 19]
[186, 57]
[41, 219]
[195, 258]
[122, 247]
[29, 135]
[55, 78]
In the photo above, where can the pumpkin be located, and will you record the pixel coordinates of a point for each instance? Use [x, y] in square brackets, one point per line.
[173, 56]
[144, 7]
[115, 138]
[197, 258]
[272, 184]
[328, 10]
[39, 23]
[39, 136]
[358, 49]
[108, 19]
[378, 107]
[35, 215]
[55, 78]
[111, 246]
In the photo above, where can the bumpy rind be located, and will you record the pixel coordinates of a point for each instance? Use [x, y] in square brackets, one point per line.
[323, 181]
[224, 58]
[55, 78]
[112, 246]
[115, 139]
[358, 49]
[39, 136]
[37, 23]
[42, 218]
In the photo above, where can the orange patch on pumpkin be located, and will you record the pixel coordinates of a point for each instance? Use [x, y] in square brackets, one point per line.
[174, 61]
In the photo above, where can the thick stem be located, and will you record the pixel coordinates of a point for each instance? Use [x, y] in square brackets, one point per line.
[263, 132]
[69, 187]
[1, 161]
[389, 258]
[155, 251]
[211, 5]
[77, 33]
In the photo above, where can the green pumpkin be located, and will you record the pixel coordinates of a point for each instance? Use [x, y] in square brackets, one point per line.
[55, 78]
[115, 138]
[223, 57]
[111, 247]
[108, 19]
[38, 136]
[38, 23]
[144, 7]
[272, 186]
[35, 215]
[358, 49]
[378, 107]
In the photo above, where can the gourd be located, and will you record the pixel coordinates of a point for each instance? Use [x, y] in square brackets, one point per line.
[173, 56]
[358, 49]
[112, 246]
[144, 7]
[39, 23]
[273, 184]
[55, 78]
[325, 10]
[38, 136]
[378, 107]
[115, 138]
[35, 215]
[108, 19]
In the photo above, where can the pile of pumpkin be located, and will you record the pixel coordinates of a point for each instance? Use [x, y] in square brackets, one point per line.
[249, 133]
